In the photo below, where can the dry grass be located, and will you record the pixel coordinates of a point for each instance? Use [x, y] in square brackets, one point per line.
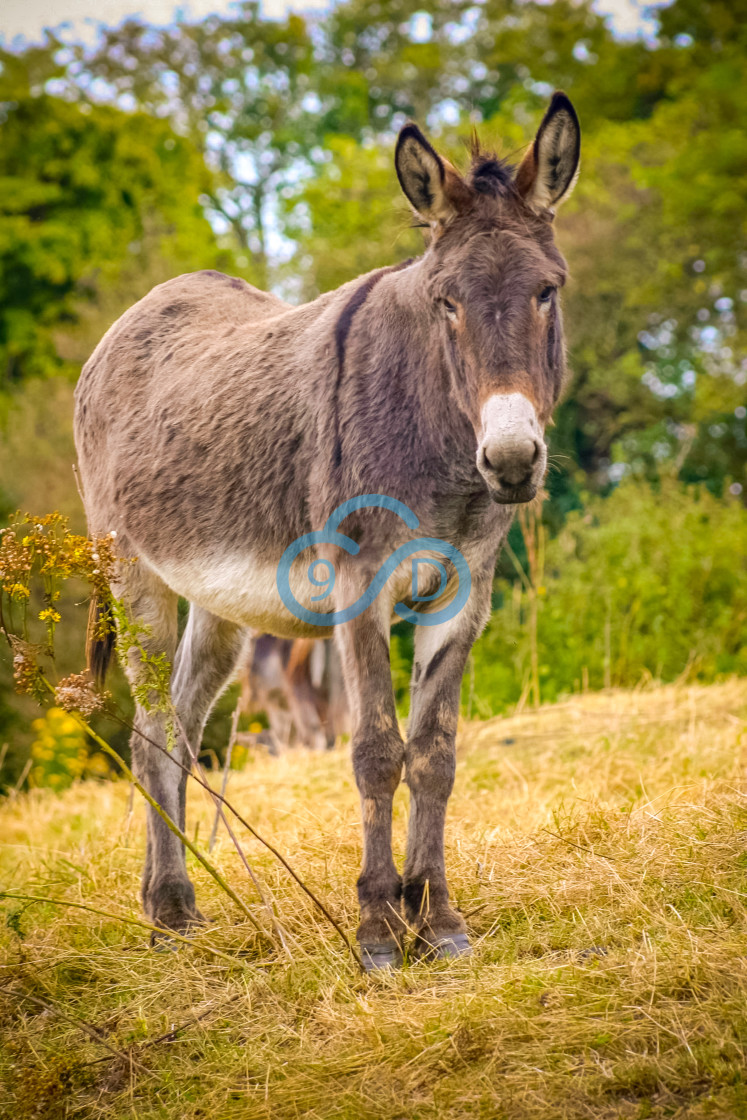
[600, 846]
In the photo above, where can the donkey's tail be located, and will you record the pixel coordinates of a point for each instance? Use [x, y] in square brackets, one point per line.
[100, 640]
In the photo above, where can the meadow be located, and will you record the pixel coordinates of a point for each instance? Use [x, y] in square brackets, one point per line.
[597, 840]
[597, 847]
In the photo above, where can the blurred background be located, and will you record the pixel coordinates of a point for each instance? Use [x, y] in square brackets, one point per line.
[258, 139]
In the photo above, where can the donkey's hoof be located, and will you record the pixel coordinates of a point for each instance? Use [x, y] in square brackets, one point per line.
[434, 948]
[170, 905]
[381, 955]
[164, 942]
[183, 924]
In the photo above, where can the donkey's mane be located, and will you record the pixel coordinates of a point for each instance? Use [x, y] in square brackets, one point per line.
[489, 174]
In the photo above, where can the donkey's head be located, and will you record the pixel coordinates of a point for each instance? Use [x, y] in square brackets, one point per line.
[493, 274]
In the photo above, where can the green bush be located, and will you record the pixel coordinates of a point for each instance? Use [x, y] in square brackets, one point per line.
[647, 582]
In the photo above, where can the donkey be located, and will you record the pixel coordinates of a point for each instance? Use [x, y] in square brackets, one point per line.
[215, 424]
[298, 684]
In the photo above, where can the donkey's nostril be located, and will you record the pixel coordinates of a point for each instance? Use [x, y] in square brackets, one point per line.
[511, 460]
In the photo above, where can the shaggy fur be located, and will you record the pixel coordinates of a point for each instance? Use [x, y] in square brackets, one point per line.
[215, 424]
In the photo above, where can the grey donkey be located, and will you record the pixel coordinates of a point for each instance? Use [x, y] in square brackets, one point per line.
[215, 424]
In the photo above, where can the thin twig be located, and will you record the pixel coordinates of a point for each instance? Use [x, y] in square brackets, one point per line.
[320, 905]
[475, 910]
[196, 763]
[23, 777]
[289, 869]
[129, 921]
[516, 563]
[171, 1036]
[581, 847]
[79, 485]
[89, 1029]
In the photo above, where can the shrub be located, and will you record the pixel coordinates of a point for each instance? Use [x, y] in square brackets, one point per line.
[647, 582]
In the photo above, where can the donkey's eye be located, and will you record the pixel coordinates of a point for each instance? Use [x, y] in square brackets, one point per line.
[450, 309]
[546, 294]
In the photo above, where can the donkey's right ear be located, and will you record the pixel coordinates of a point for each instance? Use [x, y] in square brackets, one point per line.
[433, 186]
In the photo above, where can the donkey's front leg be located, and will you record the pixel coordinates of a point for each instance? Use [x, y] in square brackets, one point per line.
[440, 656]
[378, 755]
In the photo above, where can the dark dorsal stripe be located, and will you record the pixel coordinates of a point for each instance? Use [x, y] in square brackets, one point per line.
[354, 304]
[342, 330]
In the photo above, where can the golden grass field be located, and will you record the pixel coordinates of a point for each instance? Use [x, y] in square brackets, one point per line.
[599, 847]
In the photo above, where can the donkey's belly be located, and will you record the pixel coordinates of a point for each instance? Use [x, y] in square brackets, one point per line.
[239, 589]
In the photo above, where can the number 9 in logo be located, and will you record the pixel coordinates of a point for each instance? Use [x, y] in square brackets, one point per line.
[329, 582]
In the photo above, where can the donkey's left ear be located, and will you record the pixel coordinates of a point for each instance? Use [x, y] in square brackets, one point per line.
[549, 170]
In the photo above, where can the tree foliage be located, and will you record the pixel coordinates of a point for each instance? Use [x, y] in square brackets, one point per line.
[239, 88]
[264, 147]
[84, 190]
[294, 120]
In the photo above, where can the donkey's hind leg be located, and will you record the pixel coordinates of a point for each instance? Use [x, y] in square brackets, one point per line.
[205, 662]
[168, 895]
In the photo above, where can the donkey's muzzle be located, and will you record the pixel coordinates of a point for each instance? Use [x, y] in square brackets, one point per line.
[514, 497]
[512, 454]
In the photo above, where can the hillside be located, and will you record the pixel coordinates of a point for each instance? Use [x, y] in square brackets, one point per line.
[599, 847]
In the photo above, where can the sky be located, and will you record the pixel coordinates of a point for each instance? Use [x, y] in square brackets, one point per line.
[28, 18]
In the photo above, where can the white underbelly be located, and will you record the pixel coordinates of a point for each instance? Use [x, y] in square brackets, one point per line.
[241, 590]
[244, 590]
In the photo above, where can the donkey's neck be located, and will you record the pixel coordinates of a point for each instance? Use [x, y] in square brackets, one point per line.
[396, 413]
[388, 422]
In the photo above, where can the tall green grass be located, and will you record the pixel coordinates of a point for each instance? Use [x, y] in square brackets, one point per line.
[650, 582]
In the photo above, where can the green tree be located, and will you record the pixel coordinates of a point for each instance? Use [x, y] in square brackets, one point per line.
[84, 192]
[297, 118]
[385, 61]
[658, 324]
[349, 218]
[240, 88]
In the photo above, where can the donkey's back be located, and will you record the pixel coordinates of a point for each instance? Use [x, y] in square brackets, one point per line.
[171, 451]
[162, 343]
[202, 302]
